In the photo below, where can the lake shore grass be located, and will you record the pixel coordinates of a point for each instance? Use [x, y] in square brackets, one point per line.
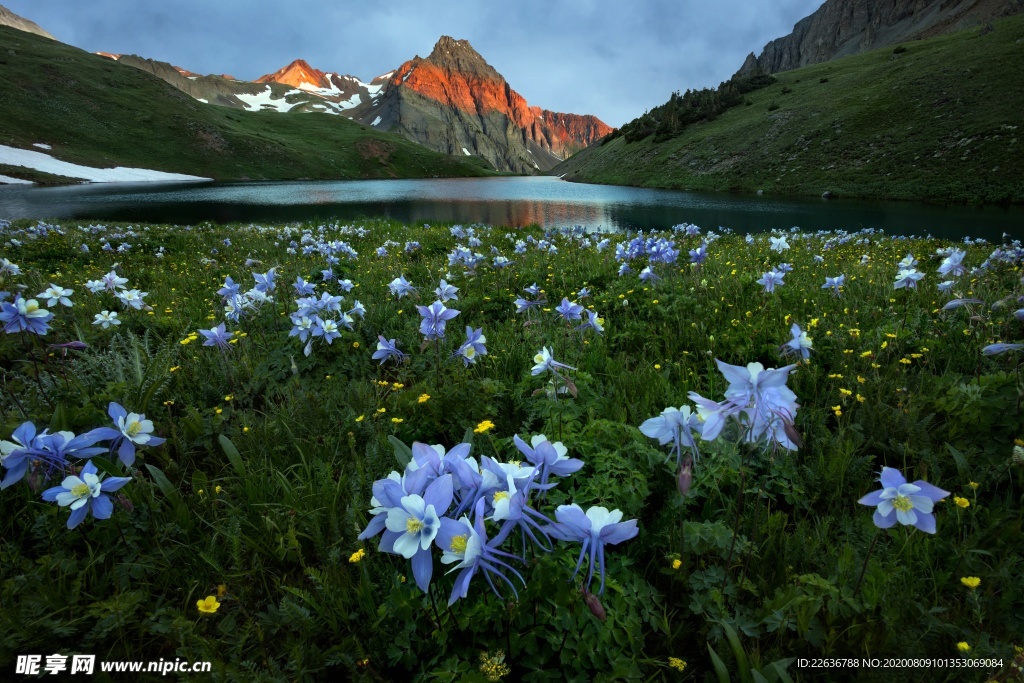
[254, 503]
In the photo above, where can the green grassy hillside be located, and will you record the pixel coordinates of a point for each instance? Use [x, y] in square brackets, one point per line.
[938, 120]
[96, 112]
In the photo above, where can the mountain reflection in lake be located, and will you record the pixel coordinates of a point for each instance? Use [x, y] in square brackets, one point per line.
[513, 201]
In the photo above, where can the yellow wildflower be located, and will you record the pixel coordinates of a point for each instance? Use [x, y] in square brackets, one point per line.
[677, 563]
[397, 420]
[971, 582]
[484, 427]
[423, 398]
[837, 410]
[677, 664]
[963, 647]
[208, 605]
[360, 418]
[961, 502]
[357, 556]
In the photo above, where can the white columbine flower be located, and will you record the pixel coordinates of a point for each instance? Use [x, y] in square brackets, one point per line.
[106, 319]
[136, 428]
[56, 293]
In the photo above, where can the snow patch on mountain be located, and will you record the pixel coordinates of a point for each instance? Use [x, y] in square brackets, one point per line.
[14, 156]
[265, 100]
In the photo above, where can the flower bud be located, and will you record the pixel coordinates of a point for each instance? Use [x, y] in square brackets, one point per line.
[594, 605]
[685, 479]
[1018, 455]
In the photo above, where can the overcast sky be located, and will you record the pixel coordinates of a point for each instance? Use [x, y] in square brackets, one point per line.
[611, 58]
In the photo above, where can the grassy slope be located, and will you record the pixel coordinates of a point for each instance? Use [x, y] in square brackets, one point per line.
[96, 112]
[937, 122]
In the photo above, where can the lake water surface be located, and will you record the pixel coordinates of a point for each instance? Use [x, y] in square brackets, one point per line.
[514, 201]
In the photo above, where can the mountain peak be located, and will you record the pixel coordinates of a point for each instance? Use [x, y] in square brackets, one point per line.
[9, 18]
[459, 55]
[297, 74]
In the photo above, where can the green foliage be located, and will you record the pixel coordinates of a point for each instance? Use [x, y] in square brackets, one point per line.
[265, 481]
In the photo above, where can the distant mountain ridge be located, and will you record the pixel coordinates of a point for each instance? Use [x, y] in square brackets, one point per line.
[846, 27]
[452, 102]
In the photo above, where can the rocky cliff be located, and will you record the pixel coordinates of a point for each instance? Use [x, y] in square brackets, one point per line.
[845, 27]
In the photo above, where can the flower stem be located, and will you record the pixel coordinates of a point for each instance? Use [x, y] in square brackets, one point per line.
[863, 569]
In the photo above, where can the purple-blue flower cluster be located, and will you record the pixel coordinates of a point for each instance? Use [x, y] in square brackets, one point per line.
[449, 498]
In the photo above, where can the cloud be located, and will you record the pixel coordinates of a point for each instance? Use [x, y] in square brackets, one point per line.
[603, 57]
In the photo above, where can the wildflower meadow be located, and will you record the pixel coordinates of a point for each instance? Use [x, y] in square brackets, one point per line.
[386, 452]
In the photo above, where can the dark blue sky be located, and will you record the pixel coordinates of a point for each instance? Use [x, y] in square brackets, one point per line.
[610, 58]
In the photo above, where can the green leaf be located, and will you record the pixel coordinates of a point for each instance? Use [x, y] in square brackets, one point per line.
[720, 670]
[403, 454]
[234, 457]
[104, 465]
[959, 459]
[738, 652]
[164, 484]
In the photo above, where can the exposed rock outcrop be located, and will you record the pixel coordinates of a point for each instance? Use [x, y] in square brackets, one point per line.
[9, 18]
[844, 27]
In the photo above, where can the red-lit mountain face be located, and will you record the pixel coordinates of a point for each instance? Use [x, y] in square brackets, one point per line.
[455, 102]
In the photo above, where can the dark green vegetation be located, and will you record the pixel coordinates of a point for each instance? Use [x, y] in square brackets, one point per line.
[693, 106]
[96, 112]
[936, 119]
[265, 479]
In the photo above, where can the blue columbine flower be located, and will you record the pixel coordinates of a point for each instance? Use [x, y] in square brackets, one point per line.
[593, 323]
[133, 429]
[532, 290]
[771, 280]
[466, 543]
[386, 348]
[698, 255]
[302, 326]
[675, 426]
[230, 289]
[549, 458]
[473, 346]
[799, 344]
[996, 349]
[435, 317]
[265, 281]
[24, 316]
[908, 504]
[544, 361]
[951, 265]
[303, 288]
[85, 494]
[328, 329]
[400, 286]
[594, 529]
[217, 336]
[447, 292]
[411, 527]
[569, 310]
[907, 278]
[834, 283]
[761, 396]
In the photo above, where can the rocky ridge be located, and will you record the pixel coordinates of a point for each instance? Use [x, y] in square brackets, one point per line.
[9, 18]
[845, 27]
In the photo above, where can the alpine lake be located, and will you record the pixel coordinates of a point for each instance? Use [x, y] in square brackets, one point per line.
[509, 201]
